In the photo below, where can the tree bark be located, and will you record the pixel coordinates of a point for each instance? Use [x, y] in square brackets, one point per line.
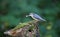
[30, 30]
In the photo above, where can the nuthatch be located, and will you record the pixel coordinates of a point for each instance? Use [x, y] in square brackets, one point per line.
[36, 17]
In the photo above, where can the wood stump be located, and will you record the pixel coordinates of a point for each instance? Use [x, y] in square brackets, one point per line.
[30, 30]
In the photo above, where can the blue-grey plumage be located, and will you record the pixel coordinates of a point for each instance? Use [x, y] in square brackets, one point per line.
[36, 17]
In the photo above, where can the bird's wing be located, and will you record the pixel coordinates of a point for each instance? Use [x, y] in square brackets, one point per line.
[38, 17]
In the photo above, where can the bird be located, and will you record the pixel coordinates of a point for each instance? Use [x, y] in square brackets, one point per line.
[35, 17]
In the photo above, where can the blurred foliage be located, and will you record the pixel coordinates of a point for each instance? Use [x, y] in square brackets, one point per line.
[13, 12]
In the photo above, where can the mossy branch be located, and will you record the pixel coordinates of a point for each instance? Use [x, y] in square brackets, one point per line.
[27, 29]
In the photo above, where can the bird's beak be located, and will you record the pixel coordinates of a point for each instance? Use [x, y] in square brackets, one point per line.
[27, 15]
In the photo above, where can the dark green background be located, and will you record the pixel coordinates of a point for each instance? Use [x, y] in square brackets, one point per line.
[13, 12]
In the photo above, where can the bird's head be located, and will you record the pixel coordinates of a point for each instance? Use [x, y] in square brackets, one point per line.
[30, 14]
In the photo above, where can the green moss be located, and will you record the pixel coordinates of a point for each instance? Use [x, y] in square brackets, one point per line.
[31, 28]
[24, 24]
[20, 26]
